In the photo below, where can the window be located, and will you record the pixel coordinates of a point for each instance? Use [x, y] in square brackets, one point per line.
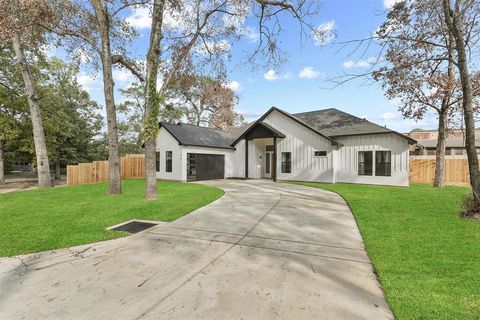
[383, 163]
[157, 161]
[320, 153]
[286, 162]
[458, 151]
[269, 147]
[191, 166]
[365, 163]
[168, 161]
[448, 151]
[267, 163]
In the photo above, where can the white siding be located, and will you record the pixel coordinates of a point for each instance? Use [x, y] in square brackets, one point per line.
[166, 142]
[347, 158]
[302, 143]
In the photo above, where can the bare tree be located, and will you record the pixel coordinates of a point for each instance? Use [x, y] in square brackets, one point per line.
[18, 21]
[420, 74]
[416, 61]
[461, 19]
[199, 31]
[205, 101]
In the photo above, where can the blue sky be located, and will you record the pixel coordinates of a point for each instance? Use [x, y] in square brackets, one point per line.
[301, 83]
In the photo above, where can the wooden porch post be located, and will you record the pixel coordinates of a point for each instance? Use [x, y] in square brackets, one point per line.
[246, 158]
[274, 160]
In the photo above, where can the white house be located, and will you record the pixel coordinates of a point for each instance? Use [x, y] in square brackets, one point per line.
[325, 146]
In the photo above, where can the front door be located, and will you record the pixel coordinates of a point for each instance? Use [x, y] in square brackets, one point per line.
[268, 164]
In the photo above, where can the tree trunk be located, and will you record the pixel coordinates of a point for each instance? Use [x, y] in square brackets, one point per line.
[454, 25]
[58, 170]
[152, 100]
[2, 166]
[439, 180]
[114, 178]
[43, 166]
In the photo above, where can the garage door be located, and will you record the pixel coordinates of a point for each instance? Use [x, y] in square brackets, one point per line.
[202, 166]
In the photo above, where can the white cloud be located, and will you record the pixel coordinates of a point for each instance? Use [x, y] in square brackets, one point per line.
[251, 34]
[272, 75]
[324, 33]
[390, 3]
[308, 73]
[89, 83]
[235, 86]
[389, 116]
[360, 63]
[140, 18]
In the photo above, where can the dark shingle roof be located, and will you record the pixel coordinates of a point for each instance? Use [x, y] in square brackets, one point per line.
[191, 135]
[329, 123]
[333, 122]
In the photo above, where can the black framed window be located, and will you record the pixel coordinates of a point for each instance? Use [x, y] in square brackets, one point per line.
[191, 166]
[157, 161]
[365, 163]
[267, 163]
[168, 161]
[383, 163]
[269, 147]
[320, 153]
[286, 162]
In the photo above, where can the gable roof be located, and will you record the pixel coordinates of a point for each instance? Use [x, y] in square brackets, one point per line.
[300, 121]
[336, 123]
[272, 132]
[328, 123]
[196, 136]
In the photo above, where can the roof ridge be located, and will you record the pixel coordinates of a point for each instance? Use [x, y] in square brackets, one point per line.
[311, 111]
[193, 125]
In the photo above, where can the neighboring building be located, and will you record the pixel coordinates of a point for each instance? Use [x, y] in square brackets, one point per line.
[325, 145]
[427, 142]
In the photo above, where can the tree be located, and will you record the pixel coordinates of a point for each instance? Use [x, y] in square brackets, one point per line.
[18, 20]
[200, 34]
[461, 20]
[71, 117]
[131, 119]
[420, 74]
[98, 30]
[205, 101]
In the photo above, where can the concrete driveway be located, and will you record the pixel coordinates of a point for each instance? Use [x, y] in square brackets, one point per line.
[263, 251]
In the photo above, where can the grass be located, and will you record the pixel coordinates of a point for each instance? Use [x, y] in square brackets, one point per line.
[37, 220]
[427, 259]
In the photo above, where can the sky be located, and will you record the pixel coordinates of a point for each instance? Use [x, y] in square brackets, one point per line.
[302, 82]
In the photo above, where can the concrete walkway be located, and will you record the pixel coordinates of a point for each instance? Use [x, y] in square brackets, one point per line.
[263, 251]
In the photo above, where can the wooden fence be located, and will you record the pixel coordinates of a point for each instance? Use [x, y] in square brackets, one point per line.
[423, 171]
[132, 167]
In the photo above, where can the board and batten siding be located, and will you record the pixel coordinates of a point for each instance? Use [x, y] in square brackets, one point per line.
[302, 143]
[166, 142]
[346, 168]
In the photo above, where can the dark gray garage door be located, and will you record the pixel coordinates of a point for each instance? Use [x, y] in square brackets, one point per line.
[202, 166]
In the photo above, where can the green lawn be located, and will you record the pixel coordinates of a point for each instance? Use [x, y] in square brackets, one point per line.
[428, 259]
[37, 220]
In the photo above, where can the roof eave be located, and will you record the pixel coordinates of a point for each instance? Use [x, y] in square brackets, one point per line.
[410, 140]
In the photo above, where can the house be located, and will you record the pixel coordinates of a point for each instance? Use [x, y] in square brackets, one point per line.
[326, 146]
[427, 142]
